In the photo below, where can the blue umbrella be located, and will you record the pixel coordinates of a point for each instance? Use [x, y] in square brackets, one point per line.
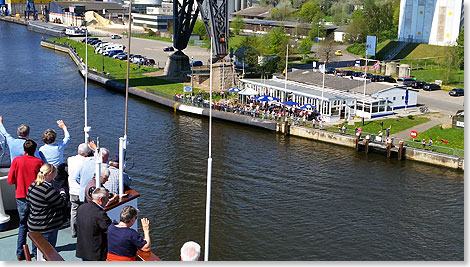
[234, 90]
[307, 106]
[267, 98]
[290, 103]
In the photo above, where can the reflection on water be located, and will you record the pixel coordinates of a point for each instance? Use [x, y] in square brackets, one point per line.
[273, 197]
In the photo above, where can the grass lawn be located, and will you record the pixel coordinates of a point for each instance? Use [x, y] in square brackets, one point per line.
[397, 124]
[430, 75]
[454, 136]
[117, 68]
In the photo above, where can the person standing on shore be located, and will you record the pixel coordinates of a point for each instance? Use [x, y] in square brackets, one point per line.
[387, 131]
[430, 144]
[424, 143]
[23, 172]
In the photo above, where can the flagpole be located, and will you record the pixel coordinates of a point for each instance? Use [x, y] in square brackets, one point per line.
[365, 82]
[209, 168]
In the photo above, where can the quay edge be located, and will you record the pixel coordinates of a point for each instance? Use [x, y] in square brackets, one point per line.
[428, 157]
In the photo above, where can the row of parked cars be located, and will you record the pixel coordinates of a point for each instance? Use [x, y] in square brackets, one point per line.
[117, 51]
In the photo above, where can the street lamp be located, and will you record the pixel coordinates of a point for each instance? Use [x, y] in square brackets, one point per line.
[191, 65]
[102, 56]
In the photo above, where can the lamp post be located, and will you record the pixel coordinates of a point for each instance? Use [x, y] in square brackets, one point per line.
[191, 65]
[102, 57]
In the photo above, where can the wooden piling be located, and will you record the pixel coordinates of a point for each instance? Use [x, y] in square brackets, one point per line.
[367, 143]
[400, 150]
[358, 137]
[389, 148]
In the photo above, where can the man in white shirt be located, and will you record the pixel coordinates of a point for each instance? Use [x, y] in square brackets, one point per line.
[74, 164]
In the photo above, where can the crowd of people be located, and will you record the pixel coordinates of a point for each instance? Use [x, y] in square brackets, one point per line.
[256, 109]
[52, 193]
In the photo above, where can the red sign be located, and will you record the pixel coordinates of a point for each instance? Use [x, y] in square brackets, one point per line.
[414, 134]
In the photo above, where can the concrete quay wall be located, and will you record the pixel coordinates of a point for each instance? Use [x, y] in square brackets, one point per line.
[313, 134]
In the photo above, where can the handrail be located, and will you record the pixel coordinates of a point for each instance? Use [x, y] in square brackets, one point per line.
[49, 252]
[131, 195]
[147, 256]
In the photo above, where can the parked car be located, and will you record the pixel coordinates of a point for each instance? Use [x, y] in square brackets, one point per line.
[89, 39]
[149, 62]
[330, 70]
[122, 56]
[418, 85]
[431, 87]
[348, 73]
[137, 59]
[195, 63]
[358, 74]
[456, 92]
[388, 79]
[168, 49]
[375, 78]
[112, 53]
[116, 36]
[406, 81]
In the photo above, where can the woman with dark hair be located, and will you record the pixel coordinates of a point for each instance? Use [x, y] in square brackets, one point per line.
[123, 241]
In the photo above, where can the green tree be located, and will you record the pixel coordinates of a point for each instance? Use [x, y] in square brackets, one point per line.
[275, 41]
[309, 11]
[200, 29]
[356, 32]
[252, 41]
[238, 25]
[282, 11]
[305, 46]
[460, 49]
[379, 16]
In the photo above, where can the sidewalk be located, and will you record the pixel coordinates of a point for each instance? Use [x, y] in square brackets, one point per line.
[436, 119]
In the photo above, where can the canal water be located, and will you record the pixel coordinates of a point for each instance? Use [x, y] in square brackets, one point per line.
[273, 197]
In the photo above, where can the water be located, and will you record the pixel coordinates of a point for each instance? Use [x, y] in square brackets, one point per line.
[273, 198]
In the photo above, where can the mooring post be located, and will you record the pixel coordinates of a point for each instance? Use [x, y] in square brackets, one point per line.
[389, 148]
[400, 150]
[367, 143]
[358, 137]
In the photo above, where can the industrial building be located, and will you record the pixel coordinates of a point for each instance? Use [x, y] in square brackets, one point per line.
[435, 22]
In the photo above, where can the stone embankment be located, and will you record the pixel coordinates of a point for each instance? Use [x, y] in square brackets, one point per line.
[314, 134]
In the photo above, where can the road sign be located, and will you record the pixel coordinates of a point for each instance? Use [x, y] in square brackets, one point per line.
[414, 134]
[188, 89]
[370, 45]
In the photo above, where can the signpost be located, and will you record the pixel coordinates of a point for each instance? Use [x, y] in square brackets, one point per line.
[413, 135]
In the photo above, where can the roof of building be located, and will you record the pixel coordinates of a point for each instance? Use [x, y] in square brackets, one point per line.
[345, 84]
[93, 5]
[257, 11]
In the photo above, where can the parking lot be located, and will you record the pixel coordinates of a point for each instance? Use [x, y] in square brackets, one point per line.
[154, 49]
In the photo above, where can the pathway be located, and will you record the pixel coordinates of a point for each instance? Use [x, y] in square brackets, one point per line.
[436, 119]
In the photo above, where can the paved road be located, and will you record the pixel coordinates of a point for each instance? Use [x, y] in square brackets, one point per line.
[441, 100]
[154, 49]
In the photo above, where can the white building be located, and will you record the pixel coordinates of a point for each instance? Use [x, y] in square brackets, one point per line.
[435, 22]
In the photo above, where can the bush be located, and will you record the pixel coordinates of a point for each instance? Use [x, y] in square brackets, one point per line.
[150, 32]
[357, 49]
[411, 117]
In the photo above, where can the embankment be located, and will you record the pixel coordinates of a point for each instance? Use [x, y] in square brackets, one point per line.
[313, 134]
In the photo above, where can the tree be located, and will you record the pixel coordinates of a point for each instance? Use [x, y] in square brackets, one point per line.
[238, 24]
[275, 41]
[200, 29]
[460, 50]
[252, 41]
[326, 49]
[356, 32]
[305, 46]
[379, 16]
[309, 11]
[282, 11]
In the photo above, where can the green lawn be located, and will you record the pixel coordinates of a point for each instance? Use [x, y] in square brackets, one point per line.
[454, 136]
[397, 124]
[117, 68]
[430, 75]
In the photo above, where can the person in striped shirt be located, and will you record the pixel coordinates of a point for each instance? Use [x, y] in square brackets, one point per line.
[46, 205]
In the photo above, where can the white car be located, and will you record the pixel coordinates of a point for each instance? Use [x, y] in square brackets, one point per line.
[116, 36]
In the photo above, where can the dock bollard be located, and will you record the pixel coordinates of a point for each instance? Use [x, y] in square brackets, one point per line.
[389, 147]
[358, 137]
[400, 150]
[367, 143]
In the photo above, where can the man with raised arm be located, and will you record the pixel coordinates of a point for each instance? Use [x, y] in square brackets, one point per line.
[16, 144]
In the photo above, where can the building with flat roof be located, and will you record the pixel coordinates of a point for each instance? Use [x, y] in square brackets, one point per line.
[341, 97]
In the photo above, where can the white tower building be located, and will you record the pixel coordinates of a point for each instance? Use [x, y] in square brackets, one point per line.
[436, 22]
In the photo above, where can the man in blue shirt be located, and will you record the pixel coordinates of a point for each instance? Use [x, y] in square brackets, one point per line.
[16, 145]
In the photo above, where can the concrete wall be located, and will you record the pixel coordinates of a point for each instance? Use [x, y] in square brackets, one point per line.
[434, 158]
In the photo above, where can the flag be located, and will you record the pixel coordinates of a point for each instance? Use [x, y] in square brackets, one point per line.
[376, 65]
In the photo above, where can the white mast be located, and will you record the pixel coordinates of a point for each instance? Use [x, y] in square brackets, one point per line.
[209, 168]
[322, 90]
[123, 140]
[86, 129]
